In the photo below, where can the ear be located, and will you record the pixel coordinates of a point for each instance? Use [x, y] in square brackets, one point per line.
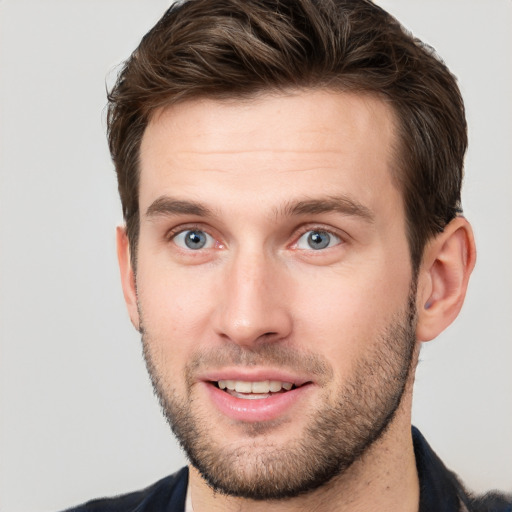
[448, 261]
[127, 275]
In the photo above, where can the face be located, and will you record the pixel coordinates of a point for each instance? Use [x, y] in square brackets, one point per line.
[273, 289]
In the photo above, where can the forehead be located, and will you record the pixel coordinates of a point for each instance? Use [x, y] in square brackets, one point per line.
[270, 144]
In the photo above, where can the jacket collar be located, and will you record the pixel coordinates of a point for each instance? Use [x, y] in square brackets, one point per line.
[440, 489]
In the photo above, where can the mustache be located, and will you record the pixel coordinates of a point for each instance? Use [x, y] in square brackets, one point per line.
[270, 354]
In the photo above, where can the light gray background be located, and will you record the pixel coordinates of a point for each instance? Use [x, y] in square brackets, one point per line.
[78, 419]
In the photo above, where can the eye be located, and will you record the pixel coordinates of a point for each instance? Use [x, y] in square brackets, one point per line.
[317, 239]
[194, 239]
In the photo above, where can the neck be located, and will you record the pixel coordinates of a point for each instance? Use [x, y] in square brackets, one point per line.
[383, 479]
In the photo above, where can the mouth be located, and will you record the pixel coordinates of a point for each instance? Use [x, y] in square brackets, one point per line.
[254, 390]
[257, 395]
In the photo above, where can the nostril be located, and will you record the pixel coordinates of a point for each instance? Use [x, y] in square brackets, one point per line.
[268, 336]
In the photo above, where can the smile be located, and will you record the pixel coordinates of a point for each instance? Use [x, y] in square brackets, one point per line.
[255, 390]
[257, 400]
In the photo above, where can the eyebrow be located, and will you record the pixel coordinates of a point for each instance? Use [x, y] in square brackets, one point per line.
[168, 206]
[340, 204]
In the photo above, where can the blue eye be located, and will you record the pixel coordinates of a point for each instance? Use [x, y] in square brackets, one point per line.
[194, 239]
[317, 240]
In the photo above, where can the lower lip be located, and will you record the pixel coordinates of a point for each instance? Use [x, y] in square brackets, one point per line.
[254, 410]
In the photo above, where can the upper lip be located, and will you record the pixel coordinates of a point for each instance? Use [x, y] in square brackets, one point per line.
[254, 375]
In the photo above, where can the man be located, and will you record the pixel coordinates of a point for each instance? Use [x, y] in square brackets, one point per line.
[290, 177]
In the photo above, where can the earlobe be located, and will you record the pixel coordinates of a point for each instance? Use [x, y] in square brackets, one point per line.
[127, 275]
[443, 278]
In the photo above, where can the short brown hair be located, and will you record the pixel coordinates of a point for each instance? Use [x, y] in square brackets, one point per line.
[238, 48]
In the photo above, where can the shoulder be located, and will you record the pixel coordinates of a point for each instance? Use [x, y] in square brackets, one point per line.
[442, 491]
[491, 502]
[168, 494]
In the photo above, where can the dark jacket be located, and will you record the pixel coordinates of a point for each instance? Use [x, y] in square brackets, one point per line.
[440, 491]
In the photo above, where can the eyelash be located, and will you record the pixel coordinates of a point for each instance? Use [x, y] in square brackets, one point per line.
[303, 230]
[320, 229]
[171, 235]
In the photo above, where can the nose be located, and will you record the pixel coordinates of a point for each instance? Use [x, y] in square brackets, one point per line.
[252, 305]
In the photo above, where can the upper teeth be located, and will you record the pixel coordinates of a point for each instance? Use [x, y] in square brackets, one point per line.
[263, 386]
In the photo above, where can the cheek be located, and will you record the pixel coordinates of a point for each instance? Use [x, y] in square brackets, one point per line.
[336, 325]
[175, 308]
[342, 315]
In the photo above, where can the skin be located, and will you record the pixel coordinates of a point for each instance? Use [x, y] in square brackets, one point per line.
[258, 282]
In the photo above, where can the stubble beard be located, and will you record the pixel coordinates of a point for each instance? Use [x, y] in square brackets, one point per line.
[339, 431]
